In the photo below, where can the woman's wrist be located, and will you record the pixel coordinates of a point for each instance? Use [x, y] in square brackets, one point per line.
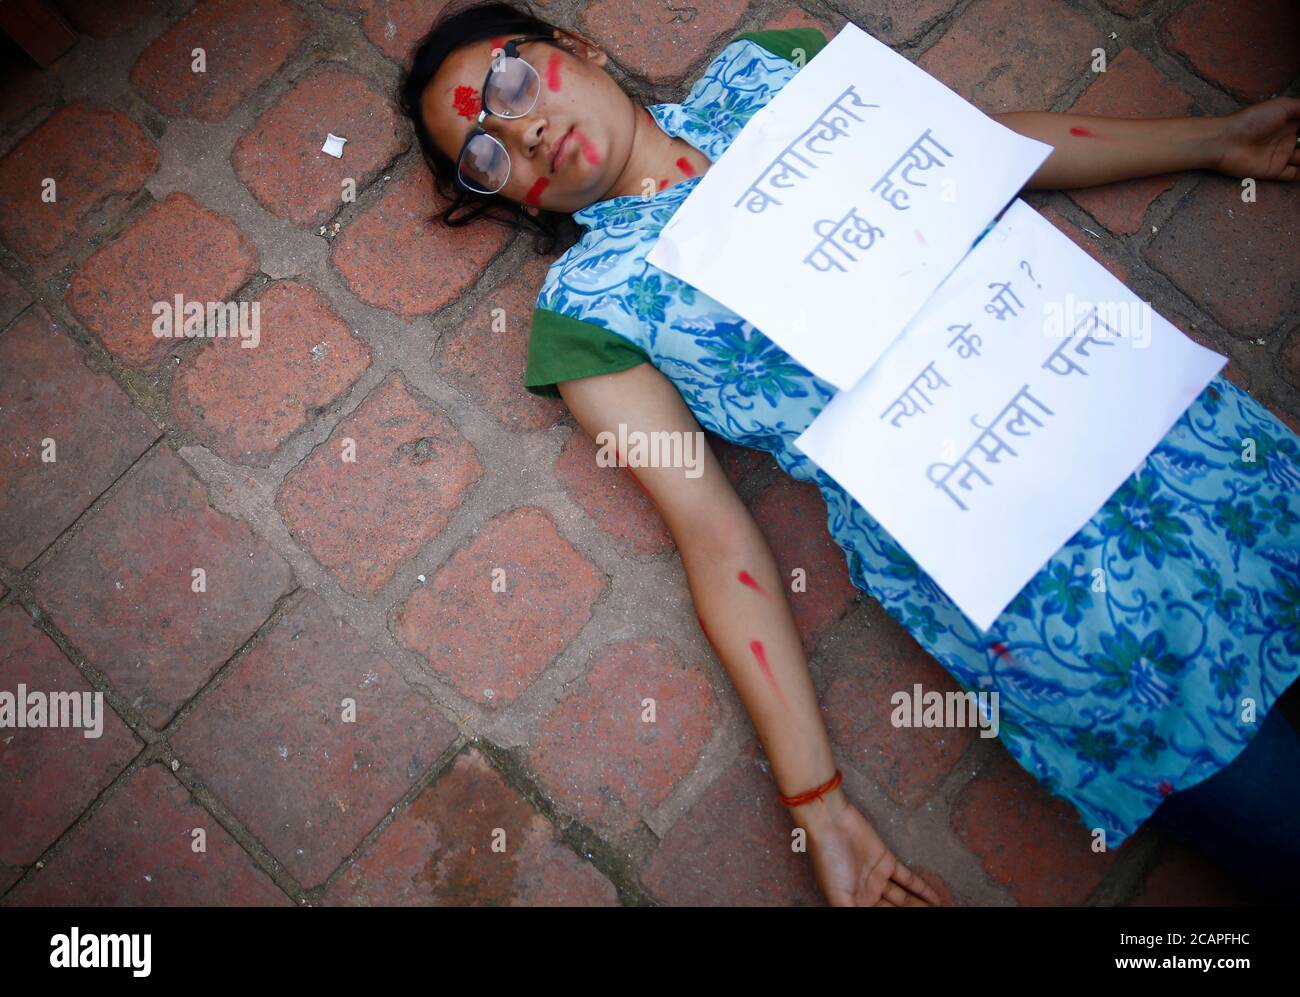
[818, 814]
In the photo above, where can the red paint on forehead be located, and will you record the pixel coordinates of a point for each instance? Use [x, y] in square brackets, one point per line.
[588, 147]
[684, 165]
[534, 194]
[553, 71]
[467, 102]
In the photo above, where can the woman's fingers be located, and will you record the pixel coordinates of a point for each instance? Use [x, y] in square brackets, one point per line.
[914, 883]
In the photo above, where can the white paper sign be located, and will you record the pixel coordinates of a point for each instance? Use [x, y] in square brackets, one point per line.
[1021, 397]
[843, 203]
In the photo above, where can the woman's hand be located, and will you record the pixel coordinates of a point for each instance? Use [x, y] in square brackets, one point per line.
[852, 865]
[1260, 141]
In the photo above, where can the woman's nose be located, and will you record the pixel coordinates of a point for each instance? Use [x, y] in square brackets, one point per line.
[520, 136]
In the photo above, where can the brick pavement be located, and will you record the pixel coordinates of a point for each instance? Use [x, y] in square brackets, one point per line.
[203, 554]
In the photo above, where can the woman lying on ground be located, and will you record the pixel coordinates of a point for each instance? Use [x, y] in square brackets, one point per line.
[1126, 702]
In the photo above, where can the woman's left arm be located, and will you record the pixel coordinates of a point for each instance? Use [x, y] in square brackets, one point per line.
[1257, 141]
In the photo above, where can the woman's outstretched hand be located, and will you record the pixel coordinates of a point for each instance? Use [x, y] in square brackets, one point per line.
[1260, 141]
[854, 868]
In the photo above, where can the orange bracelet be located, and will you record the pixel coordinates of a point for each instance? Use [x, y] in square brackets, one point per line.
[812, 794]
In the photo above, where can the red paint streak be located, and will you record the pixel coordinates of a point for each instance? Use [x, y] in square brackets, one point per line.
[467, 102]
[553, 71]
[684, 165]
[534, 195]
[499, 42]
[1000, 649]
[1082, 132]
[757, 647]
[663, 184]
[747, 579]
[588, 147]
[1165, 788]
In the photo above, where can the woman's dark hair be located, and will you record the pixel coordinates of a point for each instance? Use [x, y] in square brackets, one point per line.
[459, 24]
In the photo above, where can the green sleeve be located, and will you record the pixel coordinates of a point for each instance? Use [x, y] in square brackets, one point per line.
[561, 348]
[784, 41]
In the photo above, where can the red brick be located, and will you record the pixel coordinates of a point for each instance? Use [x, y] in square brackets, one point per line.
[896, 22]
[245, 43]
[48, 776]
[280, 159]
[362, 519]
[470, 840]
[797, 17]
[243, 402]
[1247, 47]
[909, 763]
[1085, 242]
[272, 743]
[176, 247]
[596, 756]
[1236, 260]
[1289, 359]
[1129, 88]
[13, 298]
[138, 850]
[1129, 8]
[97, 158]
[612, 497]
[395, 26]
[122, 591]
[491, 645]
[734, 847]
[394, 256]
[103, 20]
[1013, 55]
[660, 39]
[488, 365]
[48, 392]
[1184, 878]
[793, 516]
[738, 462]
[1031, 843]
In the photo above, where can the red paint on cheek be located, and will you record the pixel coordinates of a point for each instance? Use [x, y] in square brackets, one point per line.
[553, 71]
[1082, 132]
[756, 646]
[747, 579]
[663, 184]
[684, 165]
[588, 147]
[467, 102]
[534, 195]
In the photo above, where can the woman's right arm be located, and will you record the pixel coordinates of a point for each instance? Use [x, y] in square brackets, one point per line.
[740, 599]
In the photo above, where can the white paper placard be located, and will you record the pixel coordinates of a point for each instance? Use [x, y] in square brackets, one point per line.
[1031, 385]
[843, 203]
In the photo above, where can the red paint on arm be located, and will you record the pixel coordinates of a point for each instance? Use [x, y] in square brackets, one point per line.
[553, 71]
[588, 147]
[747, 579]
[685, 166]
[1082, 132]
[534, 195]
[757, 647]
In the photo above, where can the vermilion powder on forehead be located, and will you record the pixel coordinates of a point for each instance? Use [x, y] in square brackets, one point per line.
[467, 102]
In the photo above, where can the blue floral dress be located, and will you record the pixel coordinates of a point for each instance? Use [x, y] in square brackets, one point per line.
[1112, 699]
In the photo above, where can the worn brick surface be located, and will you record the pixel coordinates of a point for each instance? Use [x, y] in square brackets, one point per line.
[1092, 246]
[178, 246]
[487, 364]
[49, 775]
[1013, 55]
[363, 518]
[274, 743]
[243, 402]
[97, 158]
[862, 668]
[245, 42]
[896, 22]
[786, 513]
[471, 840]
[48, 392]
[122, 591]
[13, 299]
[394, 26]
[660, 39]
[24, 88]
[492, 644]
[797, 17]
[1129, 88]
[1032, 844]
[280, 158]
[597, 757]
[1290, 358]
[104, 20]
[1237, 260]
[138, 851]
[612, 497]
[733, 847]
[1247, 47]
[395, 256]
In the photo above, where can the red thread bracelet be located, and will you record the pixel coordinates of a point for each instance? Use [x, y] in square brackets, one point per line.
[812, 794]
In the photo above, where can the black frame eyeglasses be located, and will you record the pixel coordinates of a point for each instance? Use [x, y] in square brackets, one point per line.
[510, 90]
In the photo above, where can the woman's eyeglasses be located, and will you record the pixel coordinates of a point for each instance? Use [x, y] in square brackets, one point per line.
[510, 91]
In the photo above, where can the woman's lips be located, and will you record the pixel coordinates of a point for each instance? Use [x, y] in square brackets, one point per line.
[561, 149]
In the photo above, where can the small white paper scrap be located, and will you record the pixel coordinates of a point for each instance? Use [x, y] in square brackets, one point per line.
[333, 146]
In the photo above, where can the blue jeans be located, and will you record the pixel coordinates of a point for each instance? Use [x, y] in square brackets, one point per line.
[1246, 817]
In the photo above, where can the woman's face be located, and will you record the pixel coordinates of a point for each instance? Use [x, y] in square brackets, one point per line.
[581, 114]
